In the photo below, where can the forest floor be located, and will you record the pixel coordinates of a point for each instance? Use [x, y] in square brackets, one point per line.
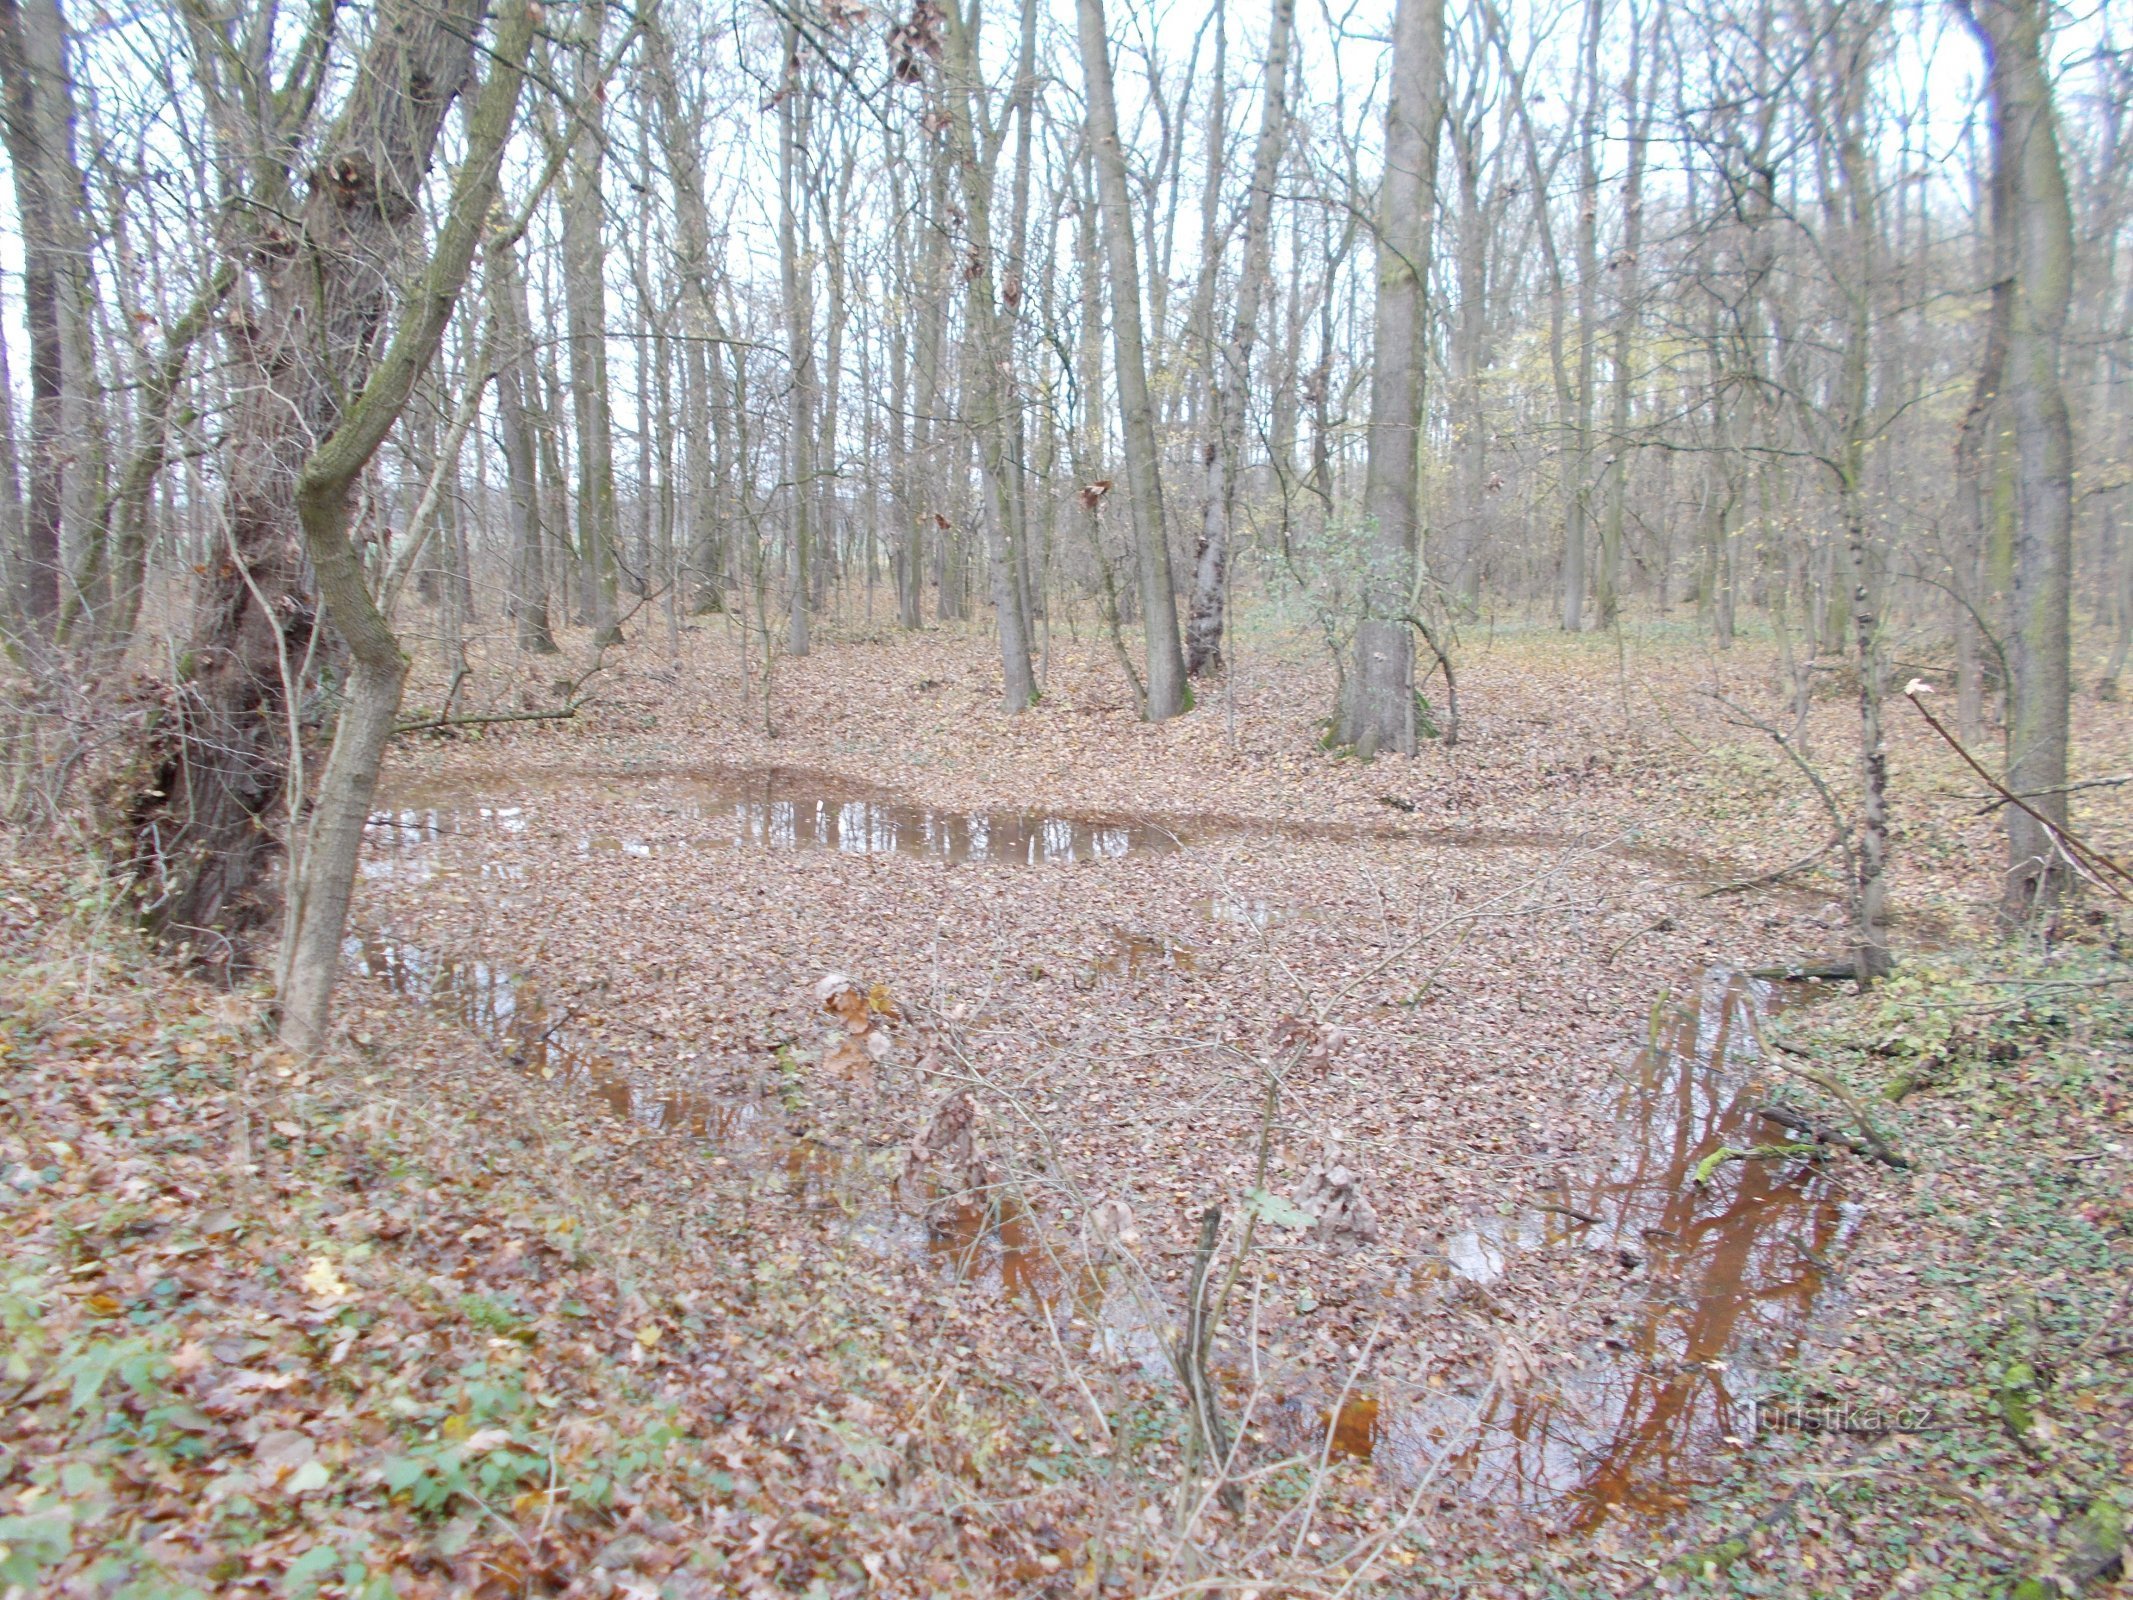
[638, 1259]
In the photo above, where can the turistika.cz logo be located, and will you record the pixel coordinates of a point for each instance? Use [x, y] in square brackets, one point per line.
[1768, 1416]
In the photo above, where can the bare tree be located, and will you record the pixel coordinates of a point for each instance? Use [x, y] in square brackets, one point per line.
[1165, 693]
[1380, 713]
[2033, 238]
[1230, 394]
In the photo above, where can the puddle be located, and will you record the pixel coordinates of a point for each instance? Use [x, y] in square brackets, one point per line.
[771, 808]
[1135, 954]
[1253, 913]
[1730, 1274]
[1721, 1280]
[509, 1010]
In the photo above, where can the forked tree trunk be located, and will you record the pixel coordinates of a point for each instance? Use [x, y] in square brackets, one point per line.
[1165, 691]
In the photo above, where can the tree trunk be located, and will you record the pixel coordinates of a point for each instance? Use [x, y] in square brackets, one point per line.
[984, 372]
[1165, 693]
[1461, 571]
[58, 292]
[1380, 713]
[2032, 222]
[1576, 508]
[585, 305]
[216, 766]
[709, 402]
[800, 341]
[1230, 394]
[323, 874]
[1608, 582]
[1871, 955]
[511, 337]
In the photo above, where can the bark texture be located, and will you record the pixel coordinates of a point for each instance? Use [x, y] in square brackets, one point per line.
[1380, 712]
[2033, 231]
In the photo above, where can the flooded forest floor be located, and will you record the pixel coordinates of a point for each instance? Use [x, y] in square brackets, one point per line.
[780, 1153]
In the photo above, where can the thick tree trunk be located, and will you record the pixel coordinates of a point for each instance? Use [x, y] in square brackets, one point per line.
[202, 813]
[1854, 212]
[1165, 692]
[1380, 713]
[2033, 227]
[1229, 395]
[67, 446]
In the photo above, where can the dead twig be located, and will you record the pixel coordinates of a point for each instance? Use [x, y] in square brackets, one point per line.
[1191, 1360]
[2089, 861]
[1765, 880]
[1815, 1128]
[1876, 1146]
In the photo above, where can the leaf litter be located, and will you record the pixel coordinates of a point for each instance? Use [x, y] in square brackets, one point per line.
[712, 1257]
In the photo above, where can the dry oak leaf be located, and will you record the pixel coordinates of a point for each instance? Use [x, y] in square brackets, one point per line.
[842, 996]
[1333, 1197]
[849, 1058]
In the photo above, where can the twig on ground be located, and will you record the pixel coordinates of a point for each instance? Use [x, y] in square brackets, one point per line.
[1876, 1146]
[1765, 880]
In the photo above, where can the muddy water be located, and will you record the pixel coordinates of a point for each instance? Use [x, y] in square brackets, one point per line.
[1722, 1279]
[1727, 1278]
[773, 808]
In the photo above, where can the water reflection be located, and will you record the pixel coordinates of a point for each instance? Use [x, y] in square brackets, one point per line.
[1725, 1274]
[775, 808]
[1731, 1271]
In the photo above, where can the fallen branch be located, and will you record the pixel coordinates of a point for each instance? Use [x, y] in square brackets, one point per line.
[1762, 1152]
[2088, 861]
[1572, 1212]
[1877, 1146]
[1815, 1128]
[1807, 971]
[1769, 878]
[439, 724]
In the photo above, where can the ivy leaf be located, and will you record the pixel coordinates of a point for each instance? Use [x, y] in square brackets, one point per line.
[1277, 1209]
